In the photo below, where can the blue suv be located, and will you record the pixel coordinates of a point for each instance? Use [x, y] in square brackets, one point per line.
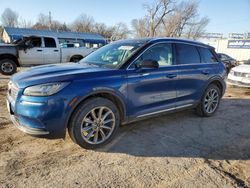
[121, 82]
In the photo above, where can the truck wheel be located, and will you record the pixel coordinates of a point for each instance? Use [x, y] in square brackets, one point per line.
[75, 59]
[7, 66]
[94, 123]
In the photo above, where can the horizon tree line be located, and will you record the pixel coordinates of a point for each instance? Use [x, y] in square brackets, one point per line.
[164, 18]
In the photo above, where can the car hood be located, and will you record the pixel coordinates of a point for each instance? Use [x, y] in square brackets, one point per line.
[53, 73]
[242, 68]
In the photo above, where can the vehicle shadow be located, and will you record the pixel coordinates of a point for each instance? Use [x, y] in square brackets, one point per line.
[225, 136]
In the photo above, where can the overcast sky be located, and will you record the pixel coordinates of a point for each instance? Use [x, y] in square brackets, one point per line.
[226, 16]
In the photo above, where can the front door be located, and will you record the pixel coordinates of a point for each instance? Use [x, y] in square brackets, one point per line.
[33, 54]
[152, 90]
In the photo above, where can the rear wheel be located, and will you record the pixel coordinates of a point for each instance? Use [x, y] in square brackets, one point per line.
[94, 123]
[7, 66]
[75, 59]
[210, 101]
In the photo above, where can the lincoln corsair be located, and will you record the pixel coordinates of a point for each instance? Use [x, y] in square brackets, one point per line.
[124, 81]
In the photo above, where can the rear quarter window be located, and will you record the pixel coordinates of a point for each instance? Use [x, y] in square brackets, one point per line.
[187, 54]
[207, 56]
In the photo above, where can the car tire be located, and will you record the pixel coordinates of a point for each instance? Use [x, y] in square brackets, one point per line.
[87, 126]
[7, 66]
[210, 101]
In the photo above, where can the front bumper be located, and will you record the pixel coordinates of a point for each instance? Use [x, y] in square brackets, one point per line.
[238, 81]
[39, 116]
[26, 129]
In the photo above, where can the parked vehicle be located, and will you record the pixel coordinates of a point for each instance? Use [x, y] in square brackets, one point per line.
[240, 75]
[228, 61]
[37, 50]
[119, 83]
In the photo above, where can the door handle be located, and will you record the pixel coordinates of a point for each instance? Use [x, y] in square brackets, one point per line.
[55, 50]
[206, 72]
[171, 75]
[39, 50]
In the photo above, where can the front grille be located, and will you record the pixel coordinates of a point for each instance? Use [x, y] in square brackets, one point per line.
[13, 90]
[240, 74]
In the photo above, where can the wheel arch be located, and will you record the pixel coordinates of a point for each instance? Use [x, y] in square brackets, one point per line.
[219, 82]
[10, 56]
[76, 55]
[115, 98]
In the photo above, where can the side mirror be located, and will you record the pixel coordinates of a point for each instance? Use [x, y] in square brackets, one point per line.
[149, 63]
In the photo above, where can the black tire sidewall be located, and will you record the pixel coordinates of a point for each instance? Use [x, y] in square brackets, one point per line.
[205, 113]
[9, 61]
[80, 113]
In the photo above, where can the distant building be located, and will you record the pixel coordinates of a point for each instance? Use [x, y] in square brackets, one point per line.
[236, 45]
[11, 34]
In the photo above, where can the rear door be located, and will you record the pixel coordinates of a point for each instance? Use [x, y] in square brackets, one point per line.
[152, 90]
[51, 52]
[195, 67]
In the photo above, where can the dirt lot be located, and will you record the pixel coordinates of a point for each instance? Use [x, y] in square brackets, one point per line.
[175, 150]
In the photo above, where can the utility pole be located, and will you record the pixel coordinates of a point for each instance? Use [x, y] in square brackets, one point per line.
[49, 20]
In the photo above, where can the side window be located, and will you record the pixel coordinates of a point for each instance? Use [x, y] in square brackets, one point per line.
[162, 53]
[35, 42]
[49, 42]
[224, 57]
[207, 55]
[187, 54]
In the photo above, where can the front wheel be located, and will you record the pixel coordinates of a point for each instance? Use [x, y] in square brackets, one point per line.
[94, 123]
[7, 66]
[210, 101]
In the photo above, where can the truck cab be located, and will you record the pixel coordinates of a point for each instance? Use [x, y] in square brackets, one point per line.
[37, 50]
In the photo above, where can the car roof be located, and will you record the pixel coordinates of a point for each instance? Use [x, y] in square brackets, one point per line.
[165, 39]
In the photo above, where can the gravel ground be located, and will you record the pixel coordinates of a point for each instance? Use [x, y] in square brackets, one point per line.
[174, 150]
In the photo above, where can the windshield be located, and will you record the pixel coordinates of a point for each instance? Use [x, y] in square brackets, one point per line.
[113, 55]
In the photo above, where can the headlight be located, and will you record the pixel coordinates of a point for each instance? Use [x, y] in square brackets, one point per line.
[45, 89]
[248, 75]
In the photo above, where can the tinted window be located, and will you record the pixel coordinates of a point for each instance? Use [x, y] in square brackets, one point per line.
[224, 57]
[162, 53]
[49, 43]
[207, 55]
[187, 54]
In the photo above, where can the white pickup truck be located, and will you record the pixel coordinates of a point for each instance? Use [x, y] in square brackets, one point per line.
[37, 50]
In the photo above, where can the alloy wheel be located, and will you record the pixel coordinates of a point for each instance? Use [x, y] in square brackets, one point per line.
[211, 100]
[98, 125]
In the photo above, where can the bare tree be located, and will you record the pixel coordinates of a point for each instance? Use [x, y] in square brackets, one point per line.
[42, 22]
[181, 17]
[140, 27]
[46, 22]
[166, 18]
[9, 18]
[83, 23]
[156, 12]
[24, 24]
[120, 31]
[196, 29]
